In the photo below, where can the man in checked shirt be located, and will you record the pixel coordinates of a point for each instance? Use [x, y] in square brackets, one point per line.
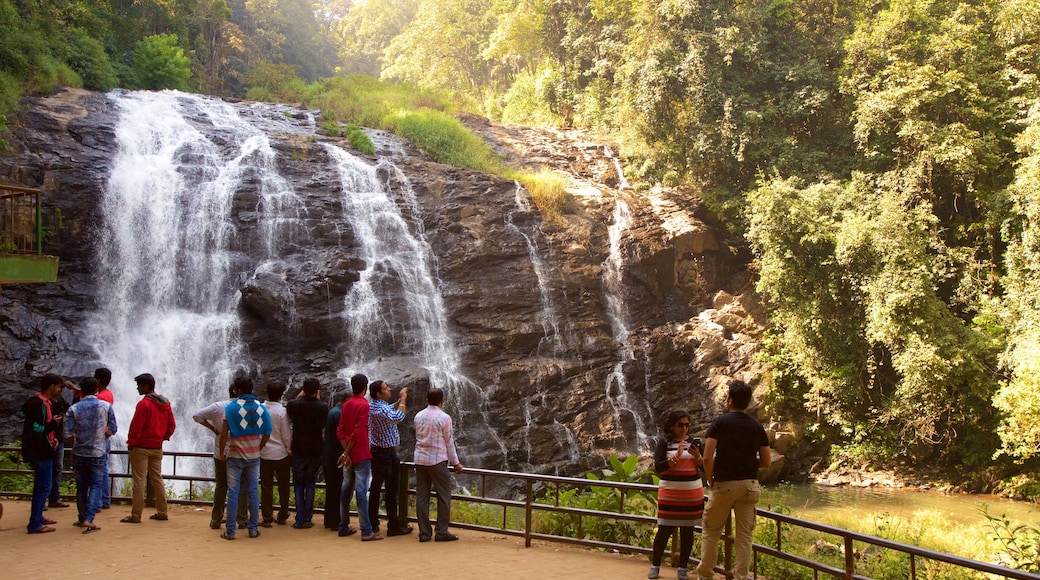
[434, 451]
[383, 418]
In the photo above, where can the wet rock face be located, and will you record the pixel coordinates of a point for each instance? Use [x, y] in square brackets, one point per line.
[525, 298]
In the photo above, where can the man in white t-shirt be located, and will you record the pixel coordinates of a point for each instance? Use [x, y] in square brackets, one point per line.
[212, 418]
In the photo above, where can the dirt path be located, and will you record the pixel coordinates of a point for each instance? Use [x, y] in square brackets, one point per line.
[185, 547]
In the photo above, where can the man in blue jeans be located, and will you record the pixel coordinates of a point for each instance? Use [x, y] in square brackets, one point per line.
[89, 423]
[247, 427]
[39, 440]
[735, 447]
[356, 460]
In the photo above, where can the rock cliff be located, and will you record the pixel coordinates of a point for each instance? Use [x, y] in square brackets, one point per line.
[526, 300]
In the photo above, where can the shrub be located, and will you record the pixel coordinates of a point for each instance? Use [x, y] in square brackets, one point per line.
[159, 63]
[87, 57]
[359, 140]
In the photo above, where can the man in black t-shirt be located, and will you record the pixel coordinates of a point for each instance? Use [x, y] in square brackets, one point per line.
[307, 415]
[735, 447]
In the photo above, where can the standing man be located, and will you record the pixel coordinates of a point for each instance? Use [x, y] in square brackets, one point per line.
[356, 460]
[275, 462]
[247, 428]
[152, 424]
[307, 414]
[434, 452]
[330, 464]
[386, 466]
[89, 423]
[103, 377]
[212, 418]
[736, 446]
[39, 441]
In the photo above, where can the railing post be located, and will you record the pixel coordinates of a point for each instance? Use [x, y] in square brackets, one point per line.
[402, 494]
[39, 226]
[850, 559]
[529, 512]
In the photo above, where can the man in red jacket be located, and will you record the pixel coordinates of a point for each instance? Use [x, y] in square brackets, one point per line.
[152, 424]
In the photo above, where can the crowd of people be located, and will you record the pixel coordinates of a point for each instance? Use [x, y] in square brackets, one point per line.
[257, 445]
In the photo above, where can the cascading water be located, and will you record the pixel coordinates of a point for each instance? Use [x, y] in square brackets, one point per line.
[616, 387]
[548, 316]
[167, 271]
[400, 263]
[622, 180]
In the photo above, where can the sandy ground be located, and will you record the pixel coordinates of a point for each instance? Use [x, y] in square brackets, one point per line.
[185, 547]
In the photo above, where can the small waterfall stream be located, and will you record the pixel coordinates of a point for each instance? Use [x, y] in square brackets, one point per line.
[550, 320]
[616, 385]
[400, 262]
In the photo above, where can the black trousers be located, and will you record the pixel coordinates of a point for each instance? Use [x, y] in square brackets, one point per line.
[386, 477]
[270, 470]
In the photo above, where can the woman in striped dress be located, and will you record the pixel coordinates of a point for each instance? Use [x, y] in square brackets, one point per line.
[680, 495]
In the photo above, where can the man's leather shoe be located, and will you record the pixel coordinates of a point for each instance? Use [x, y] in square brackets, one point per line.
[424, 538]
[400, 531]
[445, 538]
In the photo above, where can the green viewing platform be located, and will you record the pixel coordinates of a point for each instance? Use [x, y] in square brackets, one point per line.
[21, 238]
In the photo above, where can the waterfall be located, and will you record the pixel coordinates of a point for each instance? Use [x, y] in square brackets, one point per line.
[400, 262]
[616, 385]
[622, 180]
[167, 271]
[547, 315]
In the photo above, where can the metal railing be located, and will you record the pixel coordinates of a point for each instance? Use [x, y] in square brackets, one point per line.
[21, 223]
[528, 498]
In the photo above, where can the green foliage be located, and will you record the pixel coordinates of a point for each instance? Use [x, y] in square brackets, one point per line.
[1021, 542]
[88, 58]
[277, 83]
[14, 482]
[367, 102]
[359, 140]
[605, 499]
[444, 138]
[159, 63]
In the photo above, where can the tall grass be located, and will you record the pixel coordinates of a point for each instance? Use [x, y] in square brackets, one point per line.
[425, 119]
[548, 189]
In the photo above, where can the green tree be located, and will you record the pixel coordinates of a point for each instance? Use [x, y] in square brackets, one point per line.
[723, 91]
[159, 63]
[1019, 399]
[442, 48]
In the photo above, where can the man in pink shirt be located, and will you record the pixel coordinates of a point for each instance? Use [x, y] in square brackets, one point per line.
[356, 460]
[434, 451]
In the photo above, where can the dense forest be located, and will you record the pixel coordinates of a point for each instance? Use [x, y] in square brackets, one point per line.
[882, 160]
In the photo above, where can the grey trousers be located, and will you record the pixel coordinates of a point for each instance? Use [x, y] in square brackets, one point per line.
[439, 477]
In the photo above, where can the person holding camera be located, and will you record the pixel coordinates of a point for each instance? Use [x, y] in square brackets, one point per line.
[680, 494]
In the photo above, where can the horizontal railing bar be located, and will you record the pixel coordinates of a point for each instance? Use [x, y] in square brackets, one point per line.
[806, 562]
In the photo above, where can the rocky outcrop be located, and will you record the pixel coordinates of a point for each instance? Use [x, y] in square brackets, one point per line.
[548, 384]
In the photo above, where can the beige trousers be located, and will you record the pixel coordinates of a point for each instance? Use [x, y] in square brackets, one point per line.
[740, 497]
[147, 463]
